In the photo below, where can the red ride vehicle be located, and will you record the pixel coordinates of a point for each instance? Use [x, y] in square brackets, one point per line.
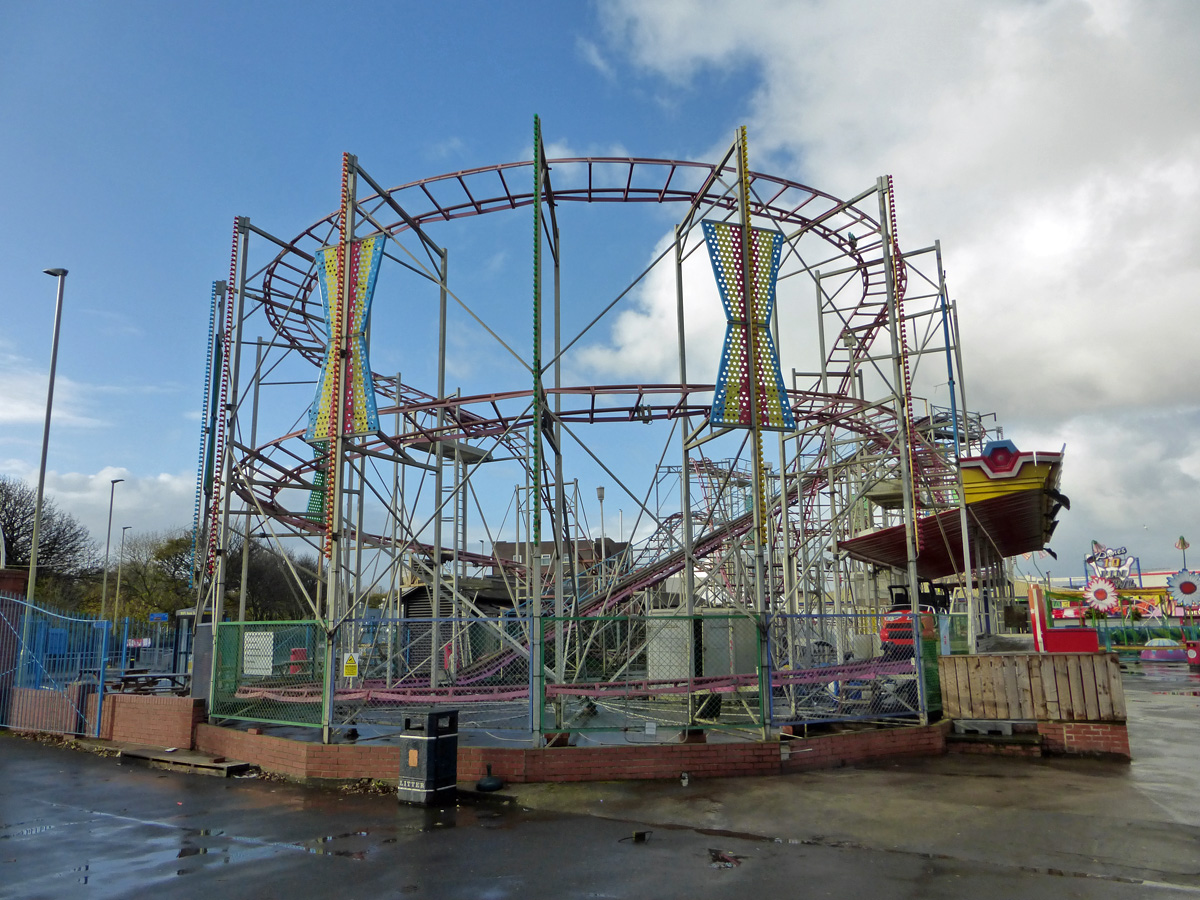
[896, 635]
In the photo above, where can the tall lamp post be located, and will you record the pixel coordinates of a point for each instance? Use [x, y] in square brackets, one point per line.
[120, 559]
[107, 541]
[603, 549]
[61, 275]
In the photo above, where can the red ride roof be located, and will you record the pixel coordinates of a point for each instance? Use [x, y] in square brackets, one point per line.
[1015, 523]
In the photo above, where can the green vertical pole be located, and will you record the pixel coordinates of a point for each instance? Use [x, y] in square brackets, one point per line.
[535, 499]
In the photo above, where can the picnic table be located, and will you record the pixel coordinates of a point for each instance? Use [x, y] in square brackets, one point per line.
[144, 681]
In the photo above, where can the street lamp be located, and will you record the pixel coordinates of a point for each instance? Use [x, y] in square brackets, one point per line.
[603, 549]
[108, 540]
[61, 275]
[120, 559]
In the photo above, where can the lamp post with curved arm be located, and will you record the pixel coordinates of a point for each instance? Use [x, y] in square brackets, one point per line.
[120, 560]
[108, 540]
[61, 275]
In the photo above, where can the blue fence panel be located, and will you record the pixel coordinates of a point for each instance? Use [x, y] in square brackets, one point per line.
[52, 664]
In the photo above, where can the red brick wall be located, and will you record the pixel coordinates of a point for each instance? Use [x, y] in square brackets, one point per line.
[37, 710]
[147, 719]
[303, 760]
[994, 749]
[619, 763]
[830, 751]
[300, 759]
[1086, 738]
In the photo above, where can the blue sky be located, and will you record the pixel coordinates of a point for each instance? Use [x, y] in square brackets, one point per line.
[1052, 147]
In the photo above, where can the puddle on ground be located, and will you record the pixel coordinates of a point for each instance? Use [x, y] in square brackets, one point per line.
[1178, 672]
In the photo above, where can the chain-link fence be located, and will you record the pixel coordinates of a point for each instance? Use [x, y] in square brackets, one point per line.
[844, 668]
[637, 674]
[271, 672]
[479, 666]
[383, 670]
[631, 674]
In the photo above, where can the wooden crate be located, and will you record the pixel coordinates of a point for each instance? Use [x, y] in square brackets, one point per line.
[1046, 687]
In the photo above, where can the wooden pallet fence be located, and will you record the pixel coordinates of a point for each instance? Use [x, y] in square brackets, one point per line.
[1046, 687]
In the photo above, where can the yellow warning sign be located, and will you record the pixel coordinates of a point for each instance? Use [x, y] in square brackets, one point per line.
[350, 665]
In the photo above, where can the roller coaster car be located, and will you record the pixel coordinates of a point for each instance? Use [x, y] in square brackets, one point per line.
[896, 635]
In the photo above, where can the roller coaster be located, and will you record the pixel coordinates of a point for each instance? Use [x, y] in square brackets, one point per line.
[390, 486]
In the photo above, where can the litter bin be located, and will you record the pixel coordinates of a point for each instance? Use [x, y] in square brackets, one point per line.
[429, 758]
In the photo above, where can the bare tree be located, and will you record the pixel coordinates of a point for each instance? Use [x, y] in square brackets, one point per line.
[65, 548]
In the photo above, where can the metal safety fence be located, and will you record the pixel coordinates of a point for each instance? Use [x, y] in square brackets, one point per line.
[718, 670]
[853, 668]
[636, 675]
[271, 672]
[479, 666]
[52, 665]
[373, 671]
[664, 670]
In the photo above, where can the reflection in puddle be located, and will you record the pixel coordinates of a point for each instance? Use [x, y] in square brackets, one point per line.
[26, 832]
[329, 838]
[356, 845]
[1180, 674]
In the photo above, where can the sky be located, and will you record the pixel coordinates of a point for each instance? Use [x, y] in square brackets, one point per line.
[1052, 147]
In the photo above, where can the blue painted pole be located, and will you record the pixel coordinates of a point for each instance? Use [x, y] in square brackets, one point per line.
[102, 673]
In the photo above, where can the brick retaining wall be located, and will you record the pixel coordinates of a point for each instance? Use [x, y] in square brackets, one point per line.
[1085, 738]
[179, 722]
[302, 760]
[32, 709]
[148, 719]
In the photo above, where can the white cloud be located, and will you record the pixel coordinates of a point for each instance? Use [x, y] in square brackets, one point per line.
[445, 148]
[1052, 147]
[642, 342]
[23, 400]
[150, 503]
[593, 57]
[23, 385]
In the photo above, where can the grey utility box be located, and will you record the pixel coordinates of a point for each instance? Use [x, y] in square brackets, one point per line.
[429, 758]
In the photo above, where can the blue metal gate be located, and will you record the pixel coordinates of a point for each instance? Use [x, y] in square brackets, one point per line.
[51, 666]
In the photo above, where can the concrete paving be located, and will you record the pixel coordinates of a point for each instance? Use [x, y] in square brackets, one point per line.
[74, 824]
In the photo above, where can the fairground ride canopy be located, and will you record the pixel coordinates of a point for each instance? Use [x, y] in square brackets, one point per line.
[1012, 503]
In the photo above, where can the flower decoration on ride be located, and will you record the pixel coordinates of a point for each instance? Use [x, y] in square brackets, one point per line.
[749, 351]
[1100, 594]
[1185, 588]
[357, 396]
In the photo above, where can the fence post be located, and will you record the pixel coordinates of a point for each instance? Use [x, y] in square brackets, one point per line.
[329, 686]
[765, 694]
[214, 662]
[101, 674]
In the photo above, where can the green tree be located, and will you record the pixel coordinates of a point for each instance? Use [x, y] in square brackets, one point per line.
[153, 575]
[272, 588]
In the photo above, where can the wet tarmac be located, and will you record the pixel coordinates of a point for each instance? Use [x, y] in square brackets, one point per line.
[73, 824]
